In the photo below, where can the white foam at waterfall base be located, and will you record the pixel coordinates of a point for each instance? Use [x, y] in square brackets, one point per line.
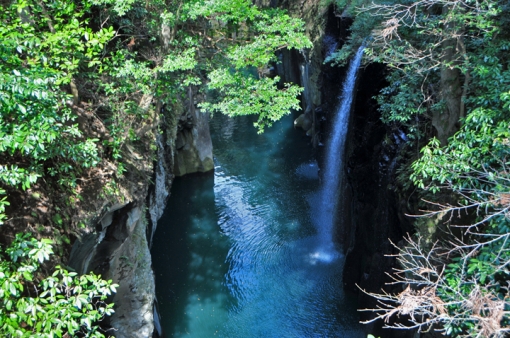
[323, 256]
[332, 178]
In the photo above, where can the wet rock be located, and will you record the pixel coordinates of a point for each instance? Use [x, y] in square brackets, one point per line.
[193, 143]
[180, 142]
[163, 178]
[374, 220]
[134, 299]
[303, 121]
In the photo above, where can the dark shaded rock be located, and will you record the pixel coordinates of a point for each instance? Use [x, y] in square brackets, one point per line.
[374, 221]
[303, 121]
[193, 143]
[180, 142]
[120, 252]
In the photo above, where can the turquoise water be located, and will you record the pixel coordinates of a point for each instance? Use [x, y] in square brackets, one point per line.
[237, 252]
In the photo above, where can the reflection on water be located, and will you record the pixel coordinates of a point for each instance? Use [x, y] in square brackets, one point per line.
[235, 254]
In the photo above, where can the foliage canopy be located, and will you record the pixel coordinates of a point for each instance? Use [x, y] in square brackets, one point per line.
[80, 80]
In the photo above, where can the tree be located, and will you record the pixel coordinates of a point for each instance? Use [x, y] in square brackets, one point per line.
[41, 54]
[220, 47]
[431, 47]
[460, 284]
[61, 305]
[63, 63]
[462, 297]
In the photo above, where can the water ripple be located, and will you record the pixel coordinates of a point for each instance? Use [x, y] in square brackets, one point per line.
[279, 280]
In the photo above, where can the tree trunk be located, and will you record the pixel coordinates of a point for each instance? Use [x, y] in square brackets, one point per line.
[446, 120]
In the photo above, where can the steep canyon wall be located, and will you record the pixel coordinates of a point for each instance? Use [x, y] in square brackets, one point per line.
[371, 215]
[116, 243]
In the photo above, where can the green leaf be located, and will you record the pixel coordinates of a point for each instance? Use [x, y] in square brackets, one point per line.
[12, 289]
[27, 276]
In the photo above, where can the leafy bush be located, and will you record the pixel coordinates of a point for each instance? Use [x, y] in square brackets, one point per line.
[3, 204]
[197, 50]
[63, 304]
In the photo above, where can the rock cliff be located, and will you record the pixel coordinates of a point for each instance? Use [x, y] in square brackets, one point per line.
[193, 145]
[117, 238]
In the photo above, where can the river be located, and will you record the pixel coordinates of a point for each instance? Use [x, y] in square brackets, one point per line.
[235, 254]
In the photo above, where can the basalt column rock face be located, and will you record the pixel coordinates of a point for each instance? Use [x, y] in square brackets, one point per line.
[335, 34]
[116, 242]
[304, 67]
[374, 219]
[193, 145]
[119, 251]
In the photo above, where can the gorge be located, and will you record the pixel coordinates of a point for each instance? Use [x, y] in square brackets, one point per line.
[248, 251]
[242, 168]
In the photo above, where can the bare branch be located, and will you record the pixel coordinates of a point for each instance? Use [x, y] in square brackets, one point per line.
[422, 275]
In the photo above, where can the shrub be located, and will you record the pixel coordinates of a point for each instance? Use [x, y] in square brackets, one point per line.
[61, 305]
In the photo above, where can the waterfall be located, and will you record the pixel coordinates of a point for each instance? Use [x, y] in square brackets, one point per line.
[332, 178]
[305, 81]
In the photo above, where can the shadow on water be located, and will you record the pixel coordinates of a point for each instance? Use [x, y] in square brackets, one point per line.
[189, 253]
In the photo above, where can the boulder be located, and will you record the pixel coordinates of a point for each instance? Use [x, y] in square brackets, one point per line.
[304, 121]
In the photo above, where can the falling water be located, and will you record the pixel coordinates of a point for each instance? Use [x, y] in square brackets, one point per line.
[332, 179]
[305, 81]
